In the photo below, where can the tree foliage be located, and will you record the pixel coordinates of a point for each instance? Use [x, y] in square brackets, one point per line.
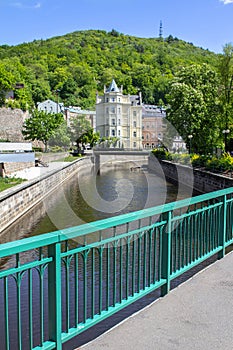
[80, 63]
[194, 107]
[41, 126]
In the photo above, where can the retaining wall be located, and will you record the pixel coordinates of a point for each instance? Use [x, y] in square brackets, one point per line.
[17, 200]
[200, 180]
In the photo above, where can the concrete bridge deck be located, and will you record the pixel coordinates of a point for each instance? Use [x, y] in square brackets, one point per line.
[197, 315]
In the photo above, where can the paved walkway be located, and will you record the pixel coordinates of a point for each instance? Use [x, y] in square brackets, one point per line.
[34, 172]
[197, 315]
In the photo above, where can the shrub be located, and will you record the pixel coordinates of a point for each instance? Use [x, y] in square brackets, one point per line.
[162, 154]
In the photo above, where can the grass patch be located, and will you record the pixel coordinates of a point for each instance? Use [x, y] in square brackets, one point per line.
[7, 182]
[71, 158]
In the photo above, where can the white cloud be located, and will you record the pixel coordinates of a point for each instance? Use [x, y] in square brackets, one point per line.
[225, 2]
[22, 5]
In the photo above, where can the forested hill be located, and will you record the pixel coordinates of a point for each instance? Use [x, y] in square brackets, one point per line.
[80, 63]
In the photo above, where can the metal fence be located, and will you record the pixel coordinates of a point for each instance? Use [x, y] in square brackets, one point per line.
[56, 285]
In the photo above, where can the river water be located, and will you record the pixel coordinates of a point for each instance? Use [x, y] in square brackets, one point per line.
[89, 198]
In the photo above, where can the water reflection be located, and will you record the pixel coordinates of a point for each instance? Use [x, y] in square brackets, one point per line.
[88, 198]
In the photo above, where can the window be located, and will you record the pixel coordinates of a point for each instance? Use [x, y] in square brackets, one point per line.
[113, 122]
[107, 110]
[113, 99]
[134, 144]
[113, 132]
[134, 134]
[134, 124]
[113, 109]
[119, 110]
[107, 99]
[119, 100]
[119, 122]
[134, 113]
[119, 133]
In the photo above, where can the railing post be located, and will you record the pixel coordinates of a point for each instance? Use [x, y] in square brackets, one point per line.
[166, 254]
[54, 295]
[222, 233]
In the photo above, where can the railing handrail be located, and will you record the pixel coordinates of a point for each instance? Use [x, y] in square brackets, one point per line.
[88, 228]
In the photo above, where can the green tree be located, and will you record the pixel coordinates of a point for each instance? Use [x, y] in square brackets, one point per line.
[226, 87]
[79, 127]
[6, 82]
[41, 126]
[194, 108]
[61, 136]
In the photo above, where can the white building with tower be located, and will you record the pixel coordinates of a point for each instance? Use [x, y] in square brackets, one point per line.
[120, 116]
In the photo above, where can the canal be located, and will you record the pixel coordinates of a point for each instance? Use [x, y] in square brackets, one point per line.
[84, 199]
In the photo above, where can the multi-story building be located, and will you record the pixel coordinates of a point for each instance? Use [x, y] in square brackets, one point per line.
[76, 112]
[153, 127]
[120, 116]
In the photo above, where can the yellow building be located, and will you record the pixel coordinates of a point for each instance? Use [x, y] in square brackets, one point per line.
[120, 116]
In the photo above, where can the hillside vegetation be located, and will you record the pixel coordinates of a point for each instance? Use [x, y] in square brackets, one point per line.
[80, 63]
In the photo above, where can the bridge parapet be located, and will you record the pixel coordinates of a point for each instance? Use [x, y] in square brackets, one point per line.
[97, 269]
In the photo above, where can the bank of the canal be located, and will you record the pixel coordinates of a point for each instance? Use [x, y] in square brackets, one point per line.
[17, 200]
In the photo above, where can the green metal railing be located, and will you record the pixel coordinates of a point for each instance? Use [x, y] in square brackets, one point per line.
[56, 285]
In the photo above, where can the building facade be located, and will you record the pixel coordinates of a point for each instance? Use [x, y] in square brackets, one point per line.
[153, 126]
[50, 106]
[120, 116]
[75, 112]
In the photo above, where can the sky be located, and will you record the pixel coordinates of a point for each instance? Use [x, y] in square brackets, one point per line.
[205, 23]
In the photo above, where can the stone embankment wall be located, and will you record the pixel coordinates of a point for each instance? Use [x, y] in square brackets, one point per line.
[11, 167]
[17, 200]
[200, 180]
[11, 121]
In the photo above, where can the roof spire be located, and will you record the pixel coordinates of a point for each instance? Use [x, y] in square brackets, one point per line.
[113, 87]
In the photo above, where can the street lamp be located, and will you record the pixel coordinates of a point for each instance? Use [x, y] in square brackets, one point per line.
[225, 133]
[190, 142]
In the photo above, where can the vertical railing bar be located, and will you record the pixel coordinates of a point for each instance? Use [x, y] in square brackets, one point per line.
[85, 254]
[160, 251]
[155, 231]
[41, 307]
[114, 273]
[139, 263]
[144, 259]
[120, 275]
[67, 288]
[127, 269]
[19, 324]
[181, 258]
[224, 227]
[150, 257]
[133, 266]
[166, 251]
[76, 276]
[107, 275]
[67, 284]
[93, 283]
[30, 305]
[6, 303]
[100, 279]
[190, 230]
[54, 295]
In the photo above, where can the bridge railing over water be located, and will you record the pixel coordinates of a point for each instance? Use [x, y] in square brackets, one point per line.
[59, 284]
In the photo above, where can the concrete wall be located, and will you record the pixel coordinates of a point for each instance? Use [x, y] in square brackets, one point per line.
[200, 180]
[17, 200]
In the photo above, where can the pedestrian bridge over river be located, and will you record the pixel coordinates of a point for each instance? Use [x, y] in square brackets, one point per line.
[87, 273]
[102, 156]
